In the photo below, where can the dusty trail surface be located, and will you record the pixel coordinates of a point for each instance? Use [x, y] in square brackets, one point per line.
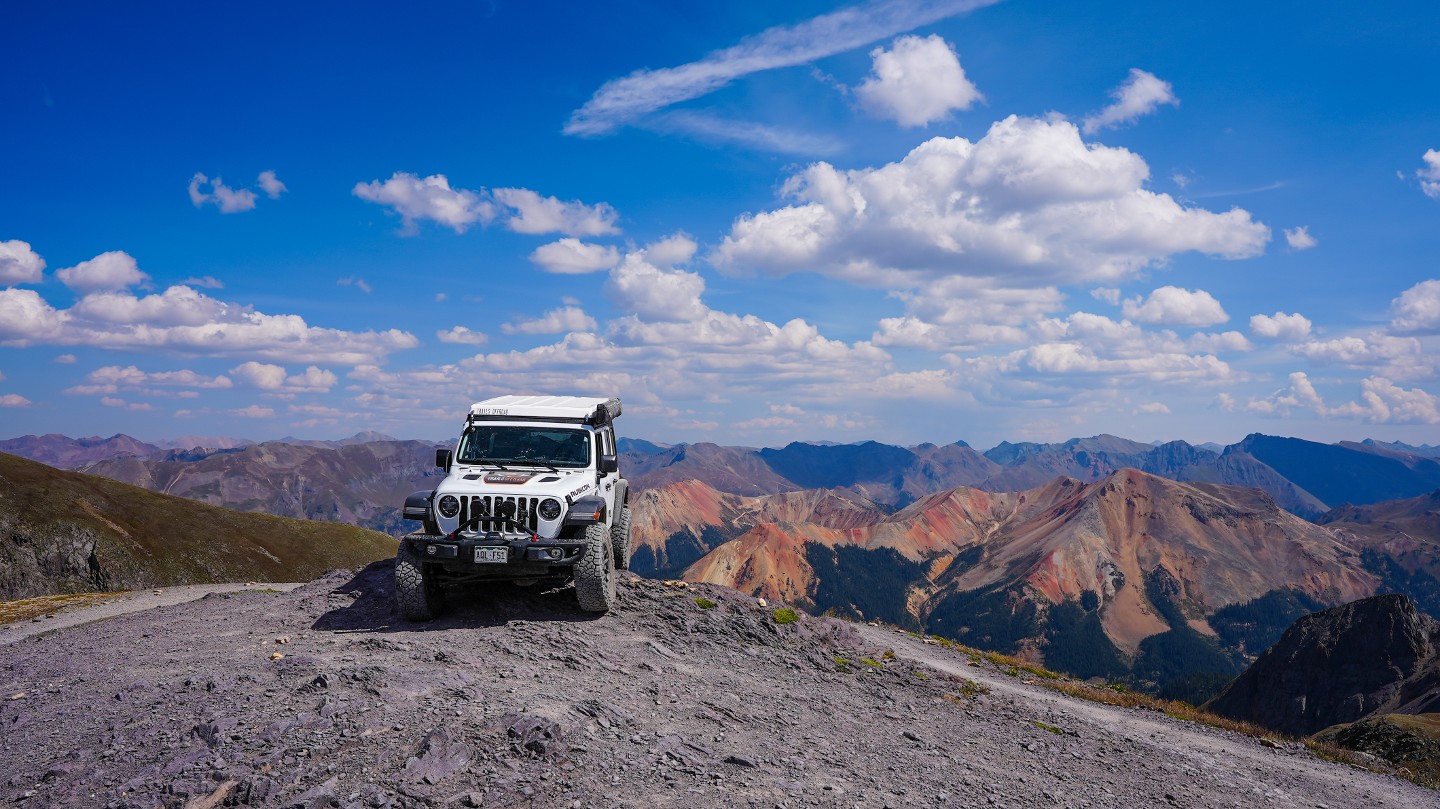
[124, 604]
[322, 697]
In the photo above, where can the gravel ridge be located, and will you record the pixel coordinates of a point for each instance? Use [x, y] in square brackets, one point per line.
[679, 697]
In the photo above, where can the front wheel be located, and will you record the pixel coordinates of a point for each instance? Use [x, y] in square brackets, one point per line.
[620, 539]
[595, 572]
[417, 594]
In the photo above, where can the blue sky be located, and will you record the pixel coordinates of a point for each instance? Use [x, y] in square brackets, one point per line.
[755, 222]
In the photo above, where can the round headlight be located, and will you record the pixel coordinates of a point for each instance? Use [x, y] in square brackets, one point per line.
[448, 505]
[549, 508]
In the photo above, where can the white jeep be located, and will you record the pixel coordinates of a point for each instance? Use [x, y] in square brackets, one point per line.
[533, 495]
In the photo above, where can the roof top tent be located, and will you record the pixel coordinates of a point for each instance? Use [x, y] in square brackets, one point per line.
[579, 409]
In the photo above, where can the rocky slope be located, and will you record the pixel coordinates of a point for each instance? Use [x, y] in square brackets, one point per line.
[1374, 656]
[1405, 741]
[68, 532]
[319, 697]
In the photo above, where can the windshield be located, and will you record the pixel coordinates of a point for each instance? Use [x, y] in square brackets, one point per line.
[532, 446]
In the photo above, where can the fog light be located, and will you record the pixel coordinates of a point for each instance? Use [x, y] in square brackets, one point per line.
[555, 553]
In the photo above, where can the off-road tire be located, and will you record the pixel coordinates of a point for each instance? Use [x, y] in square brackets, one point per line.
[595, 572]
[418, 595]
[620, 539]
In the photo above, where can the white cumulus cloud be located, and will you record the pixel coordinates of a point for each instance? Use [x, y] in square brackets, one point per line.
[1173, 306]
[1417, 310]
[1030, 202]
[523, 210]
[113, 270]
[1381, 402]
[1429, 176]
[227, 199]
[311, 380]
[14, 400]
[570, 256]
[430, 198]
[254, 412]
[1280, 326]
[532, 213]
[264, 376]
[671, 251]
[656, 294]
[271, 185]
[114, 378]
[556, 321]
[1300, 238]
[916, 82]
[462, 335]
[1139, 95]
[19, 264]
[183, 320]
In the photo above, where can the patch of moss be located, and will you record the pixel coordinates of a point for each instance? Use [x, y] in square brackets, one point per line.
[705, 603]
[1052, 728]
[785, 615]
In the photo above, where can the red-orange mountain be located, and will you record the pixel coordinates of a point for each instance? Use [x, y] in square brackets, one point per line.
[1207, 545]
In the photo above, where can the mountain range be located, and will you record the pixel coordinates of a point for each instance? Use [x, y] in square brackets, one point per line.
[1304, 477]
[1167, 564]
[1172, 584]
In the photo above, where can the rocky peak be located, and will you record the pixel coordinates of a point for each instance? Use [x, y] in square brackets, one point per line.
[1376, 655]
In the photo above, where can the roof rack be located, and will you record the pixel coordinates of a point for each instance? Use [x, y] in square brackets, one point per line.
[577, 409]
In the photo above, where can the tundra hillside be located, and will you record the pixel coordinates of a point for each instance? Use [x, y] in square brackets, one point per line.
[64, 532]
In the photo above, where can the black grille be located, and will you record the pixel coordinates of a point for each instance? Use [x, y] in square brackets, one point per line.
[486, 507]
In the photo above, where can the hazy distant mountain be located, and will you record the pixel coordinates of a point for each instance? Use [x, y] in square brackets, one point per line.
[66, 532]
[1424, 450]
[65, 452]
[202, 442]
[363, 437]
[1336, 474]
[640, 446]
[360, 484]
[812, 466]
[737, 470]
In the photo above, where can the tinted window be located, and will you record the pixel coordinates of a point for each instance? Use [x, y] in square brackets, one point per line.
[506, 445]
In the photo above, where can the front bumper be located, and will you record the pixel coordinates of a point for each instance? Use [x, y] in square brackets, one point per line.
[496, 556]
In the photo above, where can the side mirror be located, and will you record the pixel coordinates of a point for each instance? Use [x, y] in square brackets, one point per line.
[442, 459]
[608, 464]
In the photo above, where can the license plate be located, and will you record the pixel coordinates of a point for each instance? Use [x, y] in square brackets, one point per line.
[492, 555]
